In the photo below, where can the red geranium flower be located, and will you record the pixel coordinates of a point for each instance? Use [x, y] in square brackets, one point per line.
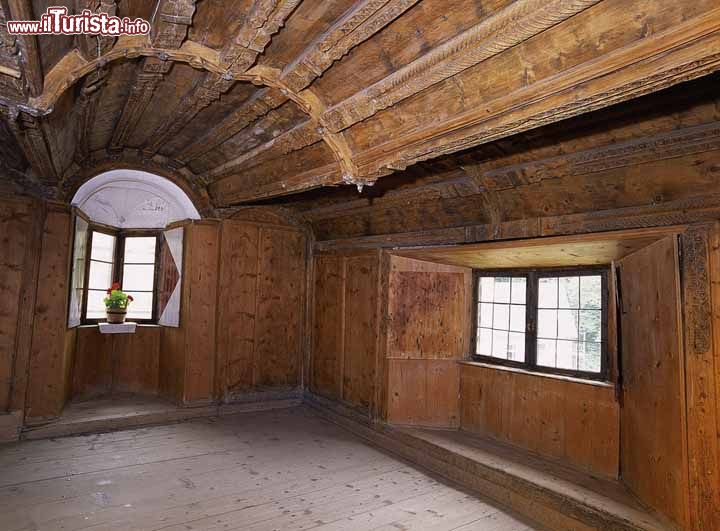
[130, 298]
[116, 285]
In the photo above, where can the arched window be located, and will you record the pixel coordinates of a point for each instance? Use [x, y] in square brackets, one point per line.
[123, 234]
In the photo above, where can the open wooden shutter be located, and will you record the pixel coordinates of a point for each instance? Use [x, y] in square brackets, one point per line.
[77, 276]
[170, 277]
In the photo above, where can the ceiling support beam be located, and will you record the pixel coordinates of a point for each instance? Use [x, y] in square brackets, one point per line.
[92, 46]
[86, 107]
[356, 26]
[170, 22]
[28, 58]
[264, 20]
[30, 134]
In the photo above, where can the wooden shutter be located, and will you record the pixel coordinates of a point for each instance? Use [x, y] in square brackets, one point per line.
[77, 278]
[170, 277]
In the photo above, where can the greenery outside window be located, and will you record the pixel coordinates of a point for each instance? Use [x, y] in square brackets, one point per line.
[543, 320]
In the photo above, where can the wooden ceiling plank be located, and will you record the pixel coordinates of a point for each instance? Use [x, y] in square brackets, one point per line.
[29, 56]
[92, 46]
[170, 22]
[152, 71]
[256, 107]
[86, 108]
[203, 94]
[31, 136]
[357, 25]
[264, 20]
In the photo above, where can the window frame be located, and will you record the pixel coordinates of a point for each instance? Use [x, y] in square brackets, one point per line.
[532, 276]
[118, 266]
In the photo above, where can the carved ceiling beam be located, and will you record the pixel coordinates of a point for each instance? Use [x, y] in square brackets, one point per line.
[509, 27]
[170, 22]
[207, 91]
[32, 138]
[264, 20]
[22, 50]
[151, 74]
[256, 107]
[684, 52]
[92, 46]
[86, 107]
[356, 26]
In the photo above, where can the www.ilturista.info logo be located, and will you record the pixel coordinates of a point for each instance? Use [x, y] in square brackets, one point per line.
[56, 21]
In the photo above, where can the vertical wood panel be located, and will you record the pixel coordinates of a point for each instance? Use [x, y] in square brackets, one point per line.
[654, 450]
[577, 423]
[278, 330]
[236, 311]
[46, 394]
[137, 361]
[92, 372]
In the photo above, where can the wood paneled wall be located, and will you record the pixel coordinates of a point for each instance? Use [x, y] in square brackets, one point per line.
[575, 423]
[261, 307]
[428, 331]
[345, 328]
[106, 363]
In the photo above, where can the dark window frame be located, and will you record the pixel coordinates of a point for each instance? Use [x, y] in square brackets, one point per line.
[118, 267]
[532, 276]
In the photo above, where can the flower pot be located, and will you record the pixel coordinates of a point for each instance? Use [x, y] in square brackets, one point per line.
[116, 315]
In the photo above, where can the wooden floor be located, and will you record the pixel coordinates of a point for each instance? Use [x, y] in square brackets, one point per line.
[276, 470]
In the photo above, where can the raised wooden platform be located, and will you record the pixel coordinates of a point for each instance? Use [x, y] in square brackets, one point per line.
[559, 498]
[130, 411]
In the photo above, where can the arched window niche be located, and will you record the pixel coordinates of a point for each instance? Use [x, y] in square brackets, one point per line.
[129, 230]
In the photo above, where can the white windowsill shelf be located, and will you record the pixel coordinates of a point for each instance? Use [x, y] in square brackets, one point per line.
[124, 328]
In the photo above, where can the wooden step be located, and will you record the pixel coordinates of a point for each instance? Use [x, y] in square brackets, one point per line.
[557, 498]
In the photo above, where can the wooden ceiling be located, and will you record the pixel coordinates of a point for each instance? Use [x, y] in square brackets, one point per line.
[247, 100]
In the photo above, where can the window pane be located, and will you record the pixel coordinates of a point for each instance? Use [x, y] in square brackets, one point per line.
[500, 344]
[591, 325]
[103, 247]
[140, 250]
[95, 304]
[487, 289]
[484, 343]
[486, 314]
[519, 286]
[567, 324]
[141, 307]
[501, 317]
[546, 352]
[567, 355]
[547, 323]
[517, 318]
[589, 357]
[138, 277]
[516, 347]
[100, 275]
[569, 292]
[548, 293]
[502, 289]
[591, 292]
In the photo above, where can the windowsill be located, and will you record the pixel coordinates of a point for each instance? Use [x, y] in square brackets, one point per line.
[139, 325]
[123, 328]
[517, 370]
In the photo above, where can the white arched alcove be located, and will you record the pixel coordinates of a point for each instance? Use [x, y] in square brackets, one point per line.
[132, 199]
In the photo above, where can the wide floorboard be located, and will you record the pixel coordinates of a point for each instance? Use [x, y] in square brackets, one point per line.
[275, 470]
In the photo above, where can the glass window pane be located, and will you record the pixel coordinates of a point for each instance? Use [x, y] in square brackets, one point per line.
[484, 343]
[138, 277]
[519, 287]
[100, 275]
[141, 307]
[569, 292]
[589, 357]
[95, 304]
[500, 344]
[546, 352]
[547, 323]
[502, 289]
[486, 314]
[501, 316]
[591, 325]
[103, 247]
[548, 293]
[567, 324]
[487, 289]
[516, 347]
[567, 355]
[140, 250]
[591, 292]
[517, 318]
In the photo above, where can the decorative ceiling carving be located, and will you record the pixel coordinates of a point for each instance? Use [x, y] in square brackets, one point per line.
[242, 118]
